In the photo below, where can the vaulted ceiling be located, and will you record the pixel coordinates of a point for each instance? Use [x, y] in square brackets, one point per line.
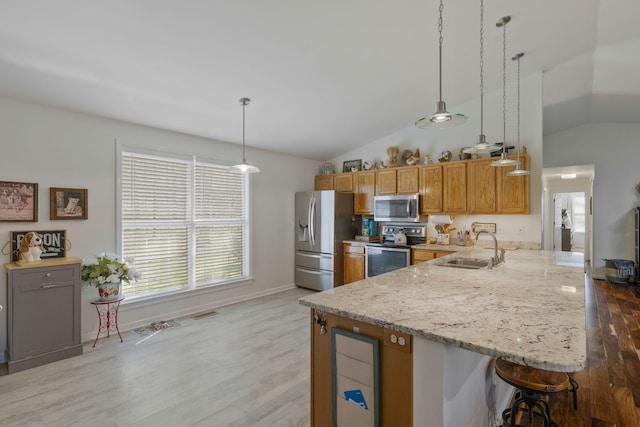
[324, 76]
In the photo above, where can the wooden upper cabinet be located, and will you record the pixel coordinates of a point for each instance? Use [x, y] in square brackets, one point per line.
[407, 180]
[365, 186]
[454, 186]
[344, 182]
[386, 180]
[402, 180]
[430, 189]
[324, 182]
[481, 190]
[513, 191]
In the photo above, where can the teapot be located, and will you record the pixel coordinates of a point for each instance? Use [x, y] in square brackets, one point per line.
[400, 238]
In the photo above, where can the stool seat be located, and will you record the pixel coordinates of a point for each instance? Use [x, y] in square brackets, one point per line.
[532, 385]
[526, 377]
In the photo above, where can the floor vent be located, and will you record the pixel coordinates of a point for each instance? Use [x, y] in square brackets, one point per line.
[203, 315]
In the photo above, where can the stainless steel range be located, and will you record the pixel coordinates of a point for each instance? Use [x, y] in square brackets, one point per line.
[390, 255]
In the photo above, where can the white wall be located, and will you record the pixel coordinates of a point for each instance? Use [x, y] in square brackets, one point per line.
[614, 150]
[56, 148]
[435, 141]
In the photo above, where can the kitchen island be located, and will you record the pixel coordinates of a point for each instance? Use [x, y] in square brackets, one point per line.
[529, 309]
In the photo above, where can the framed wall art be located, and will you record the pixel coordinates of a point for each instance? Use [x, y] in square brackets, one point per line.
[352, 165]
[68, 203]
[54, 243]
[18, 202]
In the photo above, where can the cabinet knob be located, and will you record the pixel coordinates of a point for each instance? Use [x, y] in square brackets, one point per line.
[47, 275]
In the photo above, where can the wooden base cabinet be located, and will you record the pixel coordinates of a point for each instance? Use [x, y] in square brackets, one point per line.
[396, 371]
[43, 312]
[421, 255]
[354, 262]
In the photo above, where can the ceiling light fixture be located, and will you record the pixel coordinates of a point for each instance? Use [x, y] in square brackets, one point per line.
[518, 171]
[441, 119]
[482, 146]
[244, 167]
[504, 160]
[568, 176]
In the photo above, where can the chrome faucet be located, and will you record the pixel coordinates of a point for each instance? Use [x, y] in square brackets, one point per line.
[498, 257]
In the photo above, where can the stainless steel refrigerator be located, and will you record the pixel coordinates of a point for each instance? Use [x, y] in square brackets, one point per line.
[323, 220]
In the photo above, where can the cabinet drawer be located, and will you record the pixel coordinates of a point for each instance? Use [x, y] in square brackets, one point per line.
[354, 249]
[39, 278]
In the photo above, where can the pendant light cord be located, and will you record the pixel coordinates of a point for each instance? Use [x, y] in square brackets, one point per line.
[481, 67]
[504, 88]
[518, 57]
[244, 106]
[440, 48]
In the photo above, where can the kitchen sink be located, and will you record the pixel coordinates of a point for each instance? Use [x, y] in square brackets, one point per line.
[469, 263]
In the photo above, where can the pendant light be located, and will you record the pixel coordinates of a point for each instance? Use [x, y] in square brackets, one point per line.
[482, 146]
[504, 160]
[244, 167]
[518, 171]
[441, 119]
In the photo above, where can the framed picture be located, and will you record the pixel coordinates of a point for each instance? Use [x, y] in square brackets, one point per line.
[352, 165]
[68, 203]
[53, 243]
[18, 202]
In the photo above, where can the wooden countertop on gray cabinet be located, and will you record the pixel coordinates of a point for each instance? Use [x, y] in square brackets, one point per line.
[43, 312]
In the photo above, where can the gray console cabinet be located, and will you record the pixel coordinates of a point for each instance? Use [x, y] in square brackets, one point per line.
[43, 312]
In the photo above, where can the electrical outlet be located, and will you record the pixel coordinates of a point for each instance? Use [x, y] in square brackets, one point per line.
[521, 230]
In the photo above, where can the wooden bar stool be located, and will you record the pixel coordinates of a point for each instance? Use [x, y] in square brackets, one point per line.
[533, 385]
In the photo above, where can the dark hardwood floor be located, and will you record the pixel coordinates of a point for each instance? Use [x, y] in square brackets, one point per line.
[609, 393]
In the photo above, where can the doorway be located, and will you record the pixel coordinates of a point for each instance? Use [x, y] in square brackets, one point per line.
[575, 196]
[569, 220]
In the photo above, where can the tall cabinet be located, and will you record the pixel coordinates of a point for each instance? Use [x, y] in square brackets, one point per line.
[43, 312]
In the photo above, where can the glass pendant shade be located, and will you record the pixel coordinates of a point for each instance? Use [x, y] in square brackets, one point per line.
[518, 171]
[441, 119]
[504, 160]
[244, 167]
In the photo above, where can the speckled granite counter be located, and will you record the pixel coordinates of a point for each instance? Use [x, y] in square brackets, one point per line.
[529, 310]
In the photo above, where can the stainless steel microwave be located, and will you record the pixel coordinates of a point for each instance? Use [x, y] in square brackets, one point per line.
[401, 207]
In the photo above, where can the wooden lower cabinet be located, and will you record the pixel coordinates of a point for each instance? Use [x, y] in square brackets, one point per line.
[354, 262]
[421, 255]
[396, 371]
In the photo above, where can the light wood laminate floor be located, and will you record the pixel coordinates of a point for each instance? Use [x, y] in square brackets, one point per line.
[246, 366]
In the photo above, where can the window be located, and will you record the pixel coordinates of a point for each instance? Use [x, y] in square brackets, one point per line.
[184, 222]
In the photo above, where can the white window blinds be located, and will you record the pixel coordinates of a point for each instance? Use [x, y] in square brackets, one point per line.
[184, 223]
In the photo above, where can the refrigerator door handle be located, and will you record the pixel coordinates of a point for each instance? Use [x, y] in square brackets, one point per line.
[312, 220]
[316, 272]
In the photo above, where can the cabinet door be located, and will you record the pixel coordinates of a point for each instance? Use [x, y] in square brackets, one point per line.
[343, 182]
[513, 191]
[396, 372]
[365, 191]
[421, 255]
[481, 191]
[407, 180]
[353, 263]
[324, 182]
[455, 187]
[430, 189]
[386, 181]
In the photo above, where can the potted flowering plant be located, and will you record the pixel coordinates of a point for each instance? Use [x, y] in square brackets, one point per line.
[106, 272]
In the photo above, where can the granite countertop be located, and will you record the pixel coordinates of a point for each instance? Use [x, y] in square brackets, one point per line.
[529, 309]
